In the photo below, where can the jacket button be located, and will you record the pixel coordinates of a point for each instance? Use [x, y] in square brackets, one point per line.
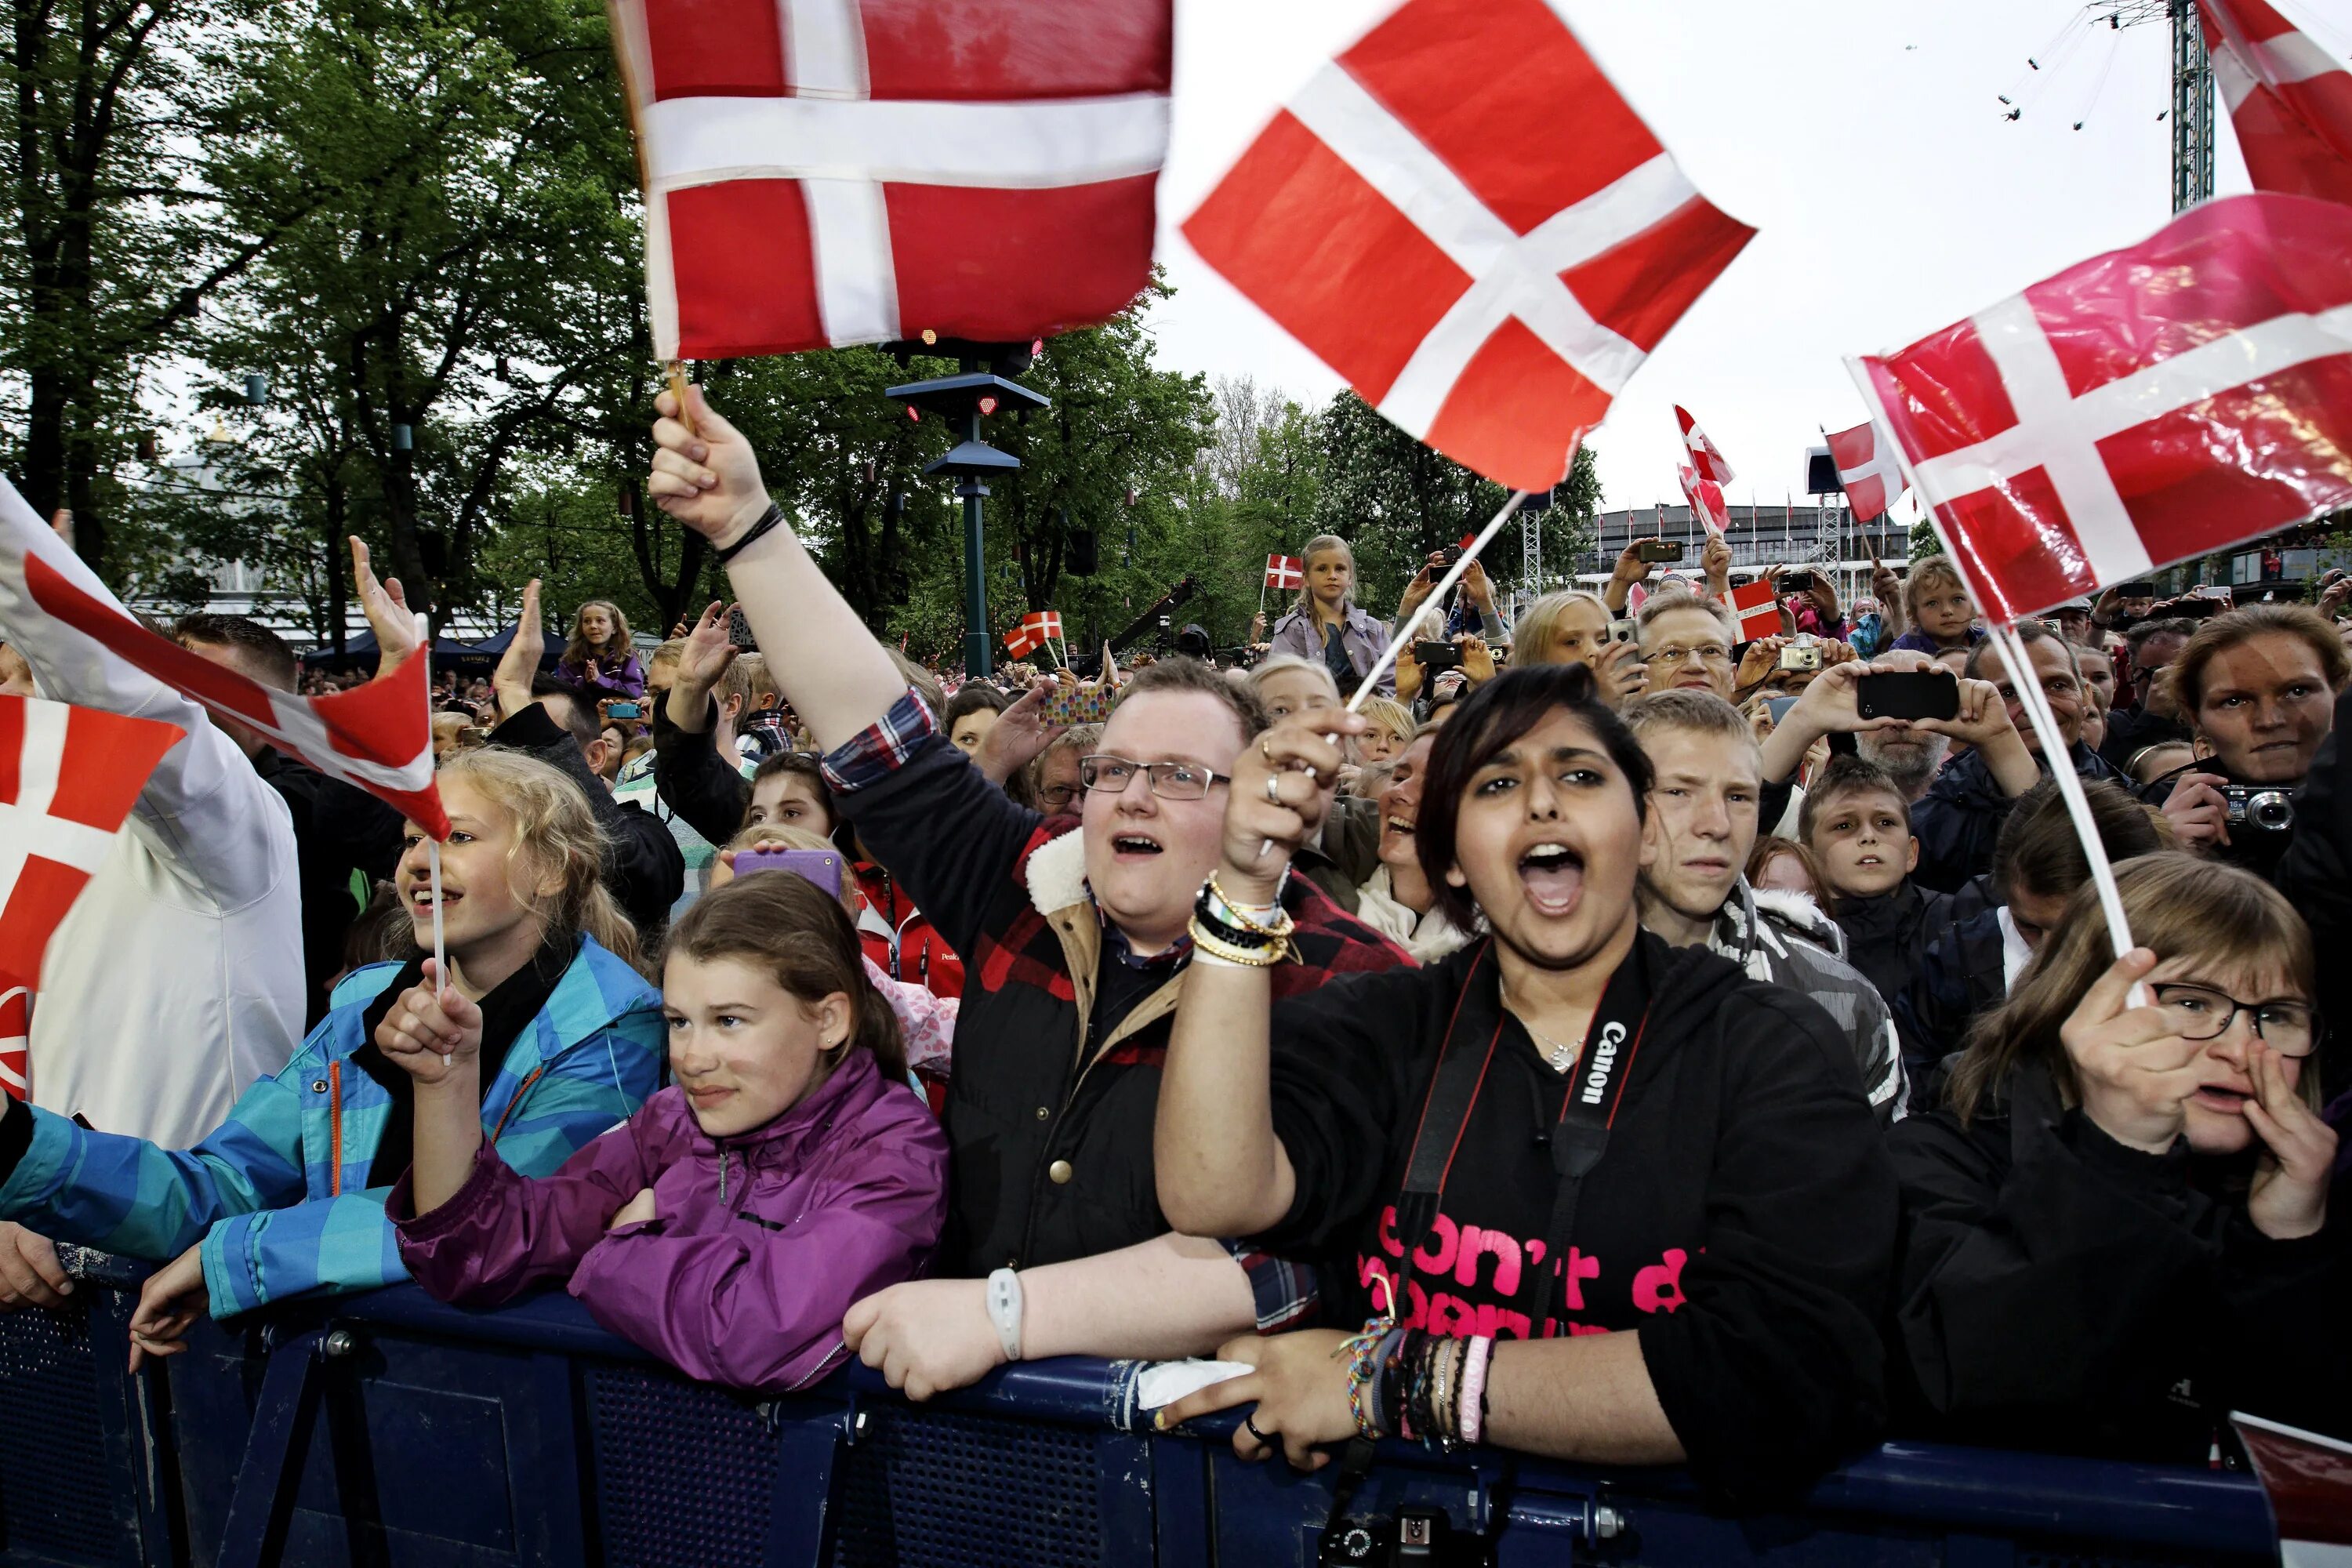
[1059, 1173]
[1043, 1114]
[318, 1086]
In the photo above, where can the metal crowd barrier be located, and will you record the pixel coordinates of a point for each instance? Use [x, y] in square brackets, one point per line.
[392, 1429]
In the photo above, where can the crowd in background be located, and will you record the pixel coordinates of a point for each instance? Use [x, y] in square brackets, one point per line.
[801, 1003]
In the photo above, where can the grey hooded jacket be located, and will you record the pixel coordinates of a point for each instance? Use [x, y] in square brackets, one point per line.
[1785, 939]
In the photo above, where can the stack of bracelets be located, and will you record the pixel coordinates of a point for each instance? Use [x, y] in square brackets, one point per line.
[1248, 935]
[1417, 1386]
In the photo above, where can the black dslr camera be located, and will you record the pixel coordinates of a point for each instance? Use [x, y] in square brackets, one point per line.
[2262, 806]
[1412, 1535]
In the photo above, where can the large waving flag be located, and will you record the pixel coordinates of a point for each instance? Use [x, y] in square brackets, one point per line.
[2156, 403]
[378, 736]
[68, 777]
[830, 172]
[1462, 216]
[2289, 100]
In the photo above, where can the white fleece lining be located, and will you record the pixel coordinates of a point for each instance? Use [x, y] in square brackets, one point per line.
[1056, 873]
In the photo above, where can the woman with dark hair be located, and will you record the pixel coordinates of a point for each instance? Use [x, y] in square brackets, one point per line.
[2117, 1230]
[1612, 1200]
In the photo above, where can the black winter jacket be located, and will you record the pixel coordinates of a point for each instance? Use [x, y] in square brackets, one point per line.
[694, 781]
[2056, 1289]
[1959, 978]
[1958, 820]
[2255, 849]
[1886, 936]
[2315, 874]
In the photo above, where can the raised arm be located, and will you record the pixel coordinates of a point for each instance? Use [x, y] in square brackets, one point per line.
[836, 676]
[1220, 1169]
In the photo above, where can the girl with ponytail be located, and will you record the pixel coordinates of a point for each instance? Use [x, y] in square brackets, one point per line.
[281, 1201]
[788, 1171]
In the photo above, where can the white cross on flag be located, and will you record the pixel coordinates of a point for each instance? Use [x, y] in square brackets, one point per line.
[1284, 572]
[378, 736]
[2289, 100]
[2148, 404]
[1045, 625]
[1465, 220]
[1703, 456]
[1871, 478]
[829, 172]
[1706, 497]
[1759, 611]
[69, 776]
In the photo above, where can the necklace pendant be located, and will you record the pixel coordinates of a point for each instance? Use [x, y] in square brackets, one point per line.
[1562, 1058]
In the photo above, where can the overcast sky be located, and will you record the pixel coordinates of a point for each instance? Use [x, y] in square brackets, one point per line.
[1862, 139]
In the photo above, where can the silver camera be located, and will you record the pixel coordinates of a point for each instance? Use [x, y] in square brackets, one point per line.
[1801, 655]
[2257, 806]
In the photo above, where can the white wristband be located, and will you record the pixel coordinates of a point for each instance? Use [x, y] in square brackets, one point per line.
[1004, 1310]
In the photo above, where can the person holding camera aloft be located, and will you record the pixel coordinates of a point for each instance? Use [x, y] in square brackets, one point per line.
[1611, 1200]
[2258, 687]
[2119, 1227]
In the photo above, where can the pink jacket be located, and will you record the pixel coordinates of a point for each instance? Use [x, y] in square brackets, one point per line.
[760, 1244]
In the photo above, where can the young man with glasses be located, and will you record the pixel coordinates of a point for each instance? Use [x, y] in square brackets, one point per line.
[1074, 949]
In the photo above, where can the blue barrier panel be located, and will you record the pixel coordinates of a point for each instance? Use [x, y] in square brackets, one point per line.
[392, 1429]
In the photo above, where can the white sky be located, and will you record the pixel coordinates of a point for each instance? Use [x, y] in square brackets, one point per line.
[1861, 138]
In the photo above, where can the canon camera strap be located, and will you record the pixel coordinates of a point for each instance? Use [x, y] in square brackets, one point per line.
[1596, 1086]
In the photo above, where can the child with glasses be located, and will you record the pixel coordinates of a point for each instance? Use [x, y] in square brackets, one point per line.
[2119, 1227]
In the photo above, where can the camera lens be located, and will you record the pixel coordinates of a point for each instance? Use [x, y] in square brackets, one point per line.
[2271, 810]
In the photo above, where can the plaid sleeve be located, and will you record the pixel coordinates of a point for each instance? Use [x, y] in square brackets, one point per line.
[877, 753]
[1286, 1293]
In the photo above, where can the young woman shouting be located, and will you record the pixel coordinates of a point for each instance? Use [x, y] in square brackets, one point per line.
[1612, 1200]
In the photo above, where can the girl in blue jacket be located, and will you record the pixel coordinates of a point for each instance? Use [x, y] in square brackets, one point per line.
[286, 1198]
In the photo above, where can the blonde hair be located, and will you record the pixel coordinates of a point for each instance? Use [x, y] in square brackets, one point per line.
[1323, 544]
[1531, 641]
[1935, 571]
[1388, 713]
[556, 831]
[1284, 664]
[756, 682]
[2178, 905]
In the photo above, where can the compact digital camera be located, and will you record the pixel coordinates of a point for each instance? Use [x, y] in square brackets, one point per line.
[2259, 807]
[1801, 655]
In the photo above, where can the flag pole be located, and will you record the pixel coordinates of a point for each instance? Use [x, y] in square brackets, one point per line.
[2003, 634]
[433, 845]
[1447, 585]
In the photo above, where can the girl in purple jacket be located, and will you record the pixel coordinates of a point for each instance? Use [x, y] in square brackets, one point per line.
[600, 662]
[728, 1225]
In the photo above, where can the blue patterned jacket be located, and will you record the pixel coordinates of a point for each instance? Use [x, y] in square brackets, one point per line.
[278, 1194]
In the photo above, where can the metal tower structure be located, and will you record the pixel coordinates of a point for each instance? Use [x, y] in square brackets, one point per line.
[2192, 108]
[1531, 547]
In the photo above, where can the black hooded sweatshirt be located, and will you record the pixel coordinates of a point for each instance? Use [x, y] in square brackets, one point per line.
[1741, 1219]
[2057, 1290]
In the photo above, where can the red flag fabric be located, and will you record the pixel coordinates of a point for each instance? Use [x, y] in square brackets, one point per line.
[1873, 479]
[2152, 404]
[1045, 625]
[1284, 572]
[1759, 611]
[1487, 282]
[1704, 458]
[828, 171]
[68, 777]
[2289, 100]
[1706, 497]
[1019, 642]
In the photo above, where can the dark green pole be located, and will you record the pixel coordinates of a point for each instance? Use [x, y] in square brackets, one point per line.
[975, 569]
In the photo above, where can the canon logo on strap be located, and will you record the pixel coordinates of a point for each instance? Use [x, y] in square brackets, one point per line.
[1604, 1061]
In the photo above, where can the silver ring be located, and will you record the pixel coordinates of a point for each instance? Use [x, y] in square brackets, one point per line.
[1273, 790]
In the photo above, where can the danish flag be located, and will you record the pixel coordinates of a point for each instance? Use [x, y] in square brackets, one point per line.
[1037, 628]
[2147, 404]
[1466, 221]
[828, 171]
[1704, 458]
[1871, 478]
[378, 736]
[2289, 100]
[1284, 572]
[1706, 497]
[1759, 611]
[69, 776]
[1019, 644]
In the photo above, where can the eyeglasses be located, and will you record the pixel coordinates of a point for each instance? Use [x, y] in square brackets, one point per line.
[1169, 781]
[1707, 653]
[1058, 794]
[2196, 1013]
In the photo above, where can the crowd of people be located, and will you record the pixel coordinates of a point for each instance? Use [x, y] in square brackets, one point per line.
[1610, 1041]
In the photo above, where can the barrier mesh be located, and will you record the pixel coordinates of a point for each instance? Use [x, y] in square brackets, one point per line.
[54, 1475]
[927, 1489]
[685, 1473]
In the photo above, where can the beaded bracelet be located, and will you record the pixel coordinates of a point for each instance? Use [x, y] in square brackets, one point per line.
[1470, 1417]
[1265, 920]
